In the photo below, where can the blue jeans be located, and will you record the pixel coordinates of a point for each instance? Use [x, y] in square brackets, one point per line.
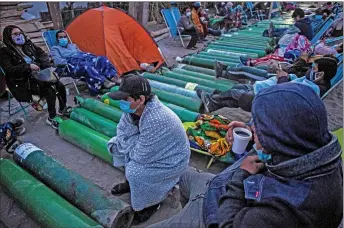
[193, 186]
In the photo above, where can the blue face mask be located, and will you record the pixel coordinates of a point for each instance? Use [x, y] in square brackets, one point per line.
[261, 155]
[63, 42]
[19, 39]
[125, 106]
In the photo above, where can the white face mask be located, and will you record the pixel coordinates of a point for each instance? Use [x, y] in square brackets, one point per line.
[188, 14]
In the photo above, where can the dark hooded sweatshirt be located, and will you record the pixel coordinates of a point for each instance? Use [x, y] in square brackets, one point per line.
[303, 183]
[305, 27]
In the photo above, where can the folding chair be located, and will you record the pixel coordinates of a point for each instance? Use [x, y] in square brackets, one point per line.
[171, 17]
[260, 15]
[49, 38]
[15, 110]
[320, 33]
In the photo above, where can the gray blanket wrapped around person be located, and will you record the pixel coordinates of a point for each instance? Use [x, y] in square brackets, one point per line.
[155, 152]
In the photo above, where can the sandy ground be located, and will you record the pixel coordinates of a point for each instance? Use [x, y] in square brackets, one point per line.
[102, 174]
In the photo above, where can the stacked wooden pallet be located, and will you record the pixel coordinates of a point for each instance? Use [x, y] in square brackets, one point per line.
[10, 13]
[160, 34]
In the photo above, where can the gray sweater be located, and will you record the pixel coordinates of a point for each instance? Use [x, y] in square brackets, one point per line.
[184, 23]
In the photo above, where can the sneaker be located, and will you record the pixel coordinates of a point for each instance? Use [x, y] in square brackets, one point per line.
[207, 103]
[121, 188]
[219, 67]
[20, 131]
[199, 92]
[65, 111]
[145, 214]
[17, 122]
[271, 29]
[53, 123]
[108, 84]
[244, 60]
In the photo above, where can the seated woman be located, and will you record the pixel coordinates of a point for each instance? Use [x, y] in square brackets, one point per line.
[21, 60]
[97, 70]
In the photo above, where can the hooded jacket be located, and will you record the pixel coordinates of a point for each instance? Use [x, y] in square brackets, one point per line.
[305, 27]
[17, 71]
[302, 185]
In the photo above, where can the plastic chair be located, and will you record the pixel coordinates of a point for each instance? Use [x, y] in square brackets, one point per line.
[49, 38]
[171, 17]
[322, 31]
[259, 15]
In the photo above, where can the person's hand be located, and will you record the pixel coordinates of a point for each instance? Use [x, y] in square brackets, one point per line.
[252, 164]
[34, 67]
[232, 125]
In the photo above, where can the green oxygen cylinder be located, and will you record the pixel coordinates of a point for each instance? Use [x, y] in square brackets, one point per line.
[96, 122]
[86, 138]
[184, 114]
[42, 204]
[100, 108]
[105, 208]
[176, 82]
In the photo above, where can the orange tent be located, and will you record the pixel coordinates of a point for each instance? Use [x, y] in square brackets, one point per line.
[111, 32]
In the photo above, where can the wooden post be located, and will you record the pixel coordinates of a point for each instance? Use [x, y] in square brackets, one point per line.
[55, 12]
[132, 11]
[145, 13]
[270, 10]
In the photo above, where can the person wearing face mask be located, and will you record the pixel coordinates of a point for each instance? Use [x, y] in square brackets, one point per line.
[97, 70]
[196, 21]
[151, 145]
[293, 177]
[241, 95]
[186, 28]
[20, 60]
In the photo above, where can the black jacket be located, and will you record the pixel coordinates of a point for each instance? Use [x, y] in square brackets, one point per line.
[18, 72]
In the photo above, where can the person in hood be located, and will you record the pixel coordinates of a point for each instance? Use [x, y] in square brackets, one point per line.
[186, 28]
[150, 144]
[293, 177]
[304, 24]
[20, 59]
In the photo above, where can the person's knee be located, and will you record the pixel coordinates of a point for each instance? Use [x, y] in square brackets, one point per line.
[245, 101]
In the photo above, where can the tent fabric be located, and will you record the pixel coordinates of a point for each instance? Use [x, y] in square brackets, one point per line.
[111, 32]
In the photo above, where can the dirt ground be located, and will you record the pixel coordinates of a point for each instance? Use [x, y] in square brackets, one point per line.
[102, 174]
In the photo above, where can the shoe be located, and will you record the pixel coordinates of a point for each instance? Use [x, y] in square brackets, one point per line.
[199, 92]
[53, 123]
[17, 122]
[108, 84]
[121, 188]
[65, 111]
[219, 68]
[207, 103]
[271, 29]
[191, 48]
[20, 131]
[145, 214]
